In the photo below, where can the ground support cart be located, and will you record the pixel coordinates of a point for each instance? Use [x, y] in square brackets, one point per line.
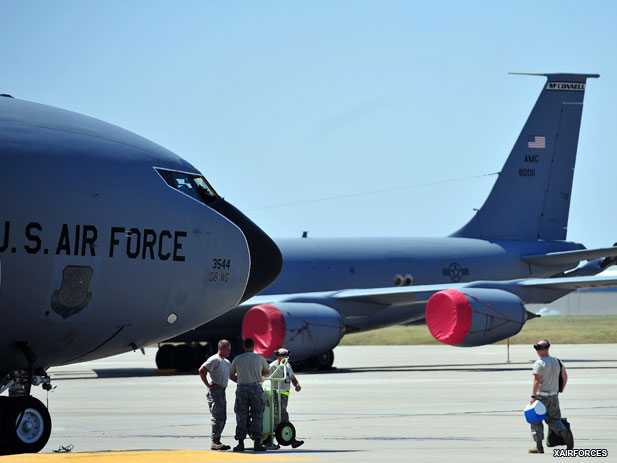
[273, 427]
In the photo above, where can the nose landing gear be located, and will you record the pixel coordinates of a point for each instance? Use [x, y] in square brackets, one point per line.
[25, 423]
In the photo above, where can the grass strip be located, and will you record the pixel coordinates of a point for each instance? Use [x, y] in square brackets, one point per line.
[559, 330]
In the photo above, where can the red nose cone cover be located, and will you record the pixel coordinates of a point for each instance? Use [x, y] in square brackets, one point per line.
[448, 316]
[266, 325]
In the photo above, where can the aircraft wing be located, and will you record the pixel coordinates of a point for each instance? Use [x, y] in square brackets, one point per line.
[569, 257]
[570, 284]
[530, 290]
[371, 300]
[461, 314]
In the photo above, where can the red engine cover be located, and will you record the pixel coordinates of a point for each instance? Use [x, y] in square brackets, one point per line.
[448, 316]
[305, 328]
[474, 316]
[266, 325]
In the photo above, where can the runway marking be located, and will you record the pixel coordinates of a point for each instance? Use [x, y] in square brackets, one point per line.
[150, 456]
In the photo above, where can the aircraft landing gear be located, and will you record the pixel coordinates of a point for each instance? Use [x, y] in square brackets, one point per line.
[323, 361]
[182, 357]
[25, 423]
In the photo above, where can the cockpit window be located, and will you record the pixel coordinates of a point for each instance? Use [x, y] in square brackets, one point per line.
[195, 186]
[203, 185]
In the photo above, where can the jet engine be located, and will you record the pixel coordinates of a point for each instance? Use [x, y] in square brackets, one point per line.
[474, 316]
[306, 329]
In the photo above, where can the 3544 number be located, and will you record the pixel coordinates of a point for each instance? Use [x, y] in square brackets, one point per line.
[220, 271]
[221, 264]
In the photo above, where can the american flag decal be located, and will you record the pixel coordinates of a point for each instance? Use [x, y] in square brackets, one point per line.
[536, 142]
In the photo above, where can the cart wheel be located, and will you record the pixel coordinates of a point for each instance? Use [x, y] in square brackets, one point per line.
[285, 433]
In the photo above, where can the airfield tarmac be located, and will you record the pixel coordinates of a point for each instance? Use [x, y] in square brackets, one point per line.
[386, 403]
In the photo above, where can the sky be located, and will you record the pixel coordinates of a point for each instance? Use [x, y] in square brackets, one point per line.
[340, 118]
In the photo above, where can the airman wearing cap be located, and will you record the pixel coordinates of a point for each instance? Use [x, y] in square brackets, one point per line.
[285, 386]
[546, 387]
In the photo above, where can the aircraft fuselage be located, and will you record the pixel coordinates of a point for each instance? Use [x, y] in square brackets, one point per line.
[315, 264]
[99, 254]
[330, 264]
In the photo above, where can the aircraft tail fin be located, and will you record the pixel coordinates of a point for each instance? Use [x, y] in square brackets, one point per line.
[531, 197]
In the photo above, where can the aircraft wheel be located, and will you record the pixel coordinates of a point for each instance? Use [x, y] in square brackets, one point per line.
[165, 357]
[211, 348]
[3, 401]
[285, 433]
[300, 365]
[323, 361]
[26, 425]
[184, 358]
[200, 355]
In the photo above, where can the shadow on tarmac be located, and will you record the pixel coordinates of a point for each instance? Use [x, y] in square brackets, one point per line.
[572, 364]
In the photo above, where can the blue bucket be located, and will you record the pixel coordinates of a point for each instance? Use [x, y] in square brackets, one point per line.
[535, 412]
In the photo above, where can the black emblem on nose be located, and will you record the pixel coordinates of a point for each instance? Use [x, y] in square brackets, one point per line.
[73, 295]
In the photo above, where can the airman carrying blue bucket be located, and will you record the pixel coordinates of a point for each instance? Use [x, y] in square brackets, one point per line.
[535, 412]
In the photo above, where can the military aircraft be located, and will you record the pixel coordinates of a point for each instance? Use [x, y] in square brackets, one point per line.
[469, 287]
[108, 243]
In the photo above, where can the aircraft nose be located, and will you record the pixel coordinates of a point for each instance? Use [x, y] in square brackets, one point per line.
[266, 258]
